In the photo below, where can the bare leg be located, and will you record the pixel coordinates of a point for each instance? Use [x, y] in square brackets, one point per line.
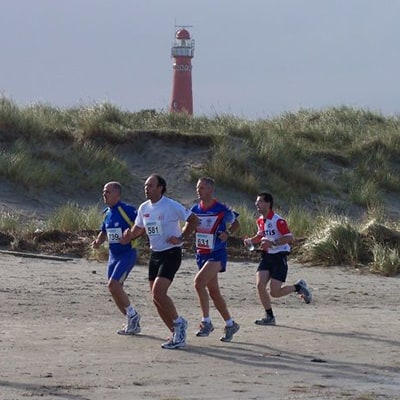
[277, 290]
[262, 279]
[121, 299]
[218, 299]
[206, 284]
[165, 306]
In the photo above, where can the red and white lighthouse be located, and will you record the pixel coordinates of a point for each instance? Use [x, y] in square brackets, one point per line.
[182, 52]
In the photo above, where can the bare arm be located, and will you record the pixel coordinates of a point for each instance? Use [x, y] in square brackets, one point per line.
[101, 237]
[256, 239]
[132, 234]
[189, 227]
[286, 239]
[224, 235]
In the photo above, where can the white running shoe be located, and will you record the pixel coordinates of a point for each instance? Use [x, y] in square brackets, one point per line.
[133, 326]
[178, 338]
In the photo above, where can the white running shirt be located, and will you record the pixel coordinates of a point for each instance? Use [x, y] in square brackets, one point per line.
[161, 220]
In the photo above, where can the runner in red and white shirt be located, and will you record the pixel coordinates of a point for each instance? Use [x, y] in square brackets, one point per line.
[274, 237]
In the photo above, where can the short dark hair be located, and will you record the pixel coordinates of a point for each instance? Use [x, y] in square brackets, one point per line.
[161, 182]
[267, 198]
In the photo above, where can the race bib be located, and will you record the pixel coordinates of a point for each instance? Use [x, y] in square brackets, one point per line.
[204, 241]
[153, 228]
[114, 235]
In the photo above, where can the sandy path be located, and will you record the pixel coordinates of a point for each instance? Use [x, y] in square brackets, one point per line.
[58, 340]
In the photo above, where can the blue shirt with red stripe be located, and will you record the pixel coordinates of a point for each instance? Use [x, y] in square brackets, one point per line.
[213, 221]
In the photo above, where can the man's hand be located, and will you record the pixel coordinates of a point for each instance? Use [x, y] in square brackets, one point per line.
[96, 243]
[223, 236]
[126, 236]
[175, 240]
[266, 244]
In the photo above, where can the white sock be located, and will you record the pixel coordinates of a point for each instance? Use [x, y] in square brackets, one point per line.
[229, 322]
[206, 319]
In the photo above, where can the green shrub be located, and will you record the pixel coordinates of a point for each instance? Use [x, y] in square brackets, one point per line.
[386, 260]
[338, 243]
[72, 217]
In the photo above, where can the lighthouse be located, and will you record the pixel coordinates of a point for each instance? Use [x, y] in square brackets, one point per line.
[182, 53]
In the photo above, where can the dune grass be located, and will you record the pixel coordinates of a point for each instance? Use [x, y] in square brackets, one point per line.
[330, 239]
[14, 223]
[344, 158]
[386, 260]
[71, 217]
[337, 150]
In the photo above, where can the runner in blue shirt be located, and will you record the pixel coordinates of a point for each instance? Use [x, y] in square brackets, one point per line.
[122, 257]
[211, 256]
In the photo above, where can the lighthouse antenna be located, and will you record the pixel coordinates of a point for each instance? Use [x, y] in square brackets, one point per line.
[182, 26]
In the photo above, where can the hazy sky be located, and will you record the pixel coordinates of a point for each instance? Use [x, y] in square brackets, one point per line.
[253, 58]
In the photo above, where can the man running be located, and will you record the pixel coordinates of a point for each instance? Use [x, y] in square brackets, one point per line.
[160, 217]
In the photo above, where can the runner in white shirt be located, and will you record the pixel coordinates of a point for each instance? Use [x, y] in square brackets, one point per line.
[160, 217]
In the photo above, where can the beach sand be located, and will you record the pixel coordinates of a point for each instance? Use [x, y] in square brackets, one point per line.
[58, 337]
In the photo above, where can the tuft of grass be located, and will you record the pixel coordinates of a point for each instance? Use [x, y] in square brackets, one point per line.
[17, 224]
[15, 123]
[247, 219]
[11, 222]
[338, 243]
[100, 121]
[301, 221]
[97, 165]
[364, 192]
[72, 217]
[386, 260]
[20, 165]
